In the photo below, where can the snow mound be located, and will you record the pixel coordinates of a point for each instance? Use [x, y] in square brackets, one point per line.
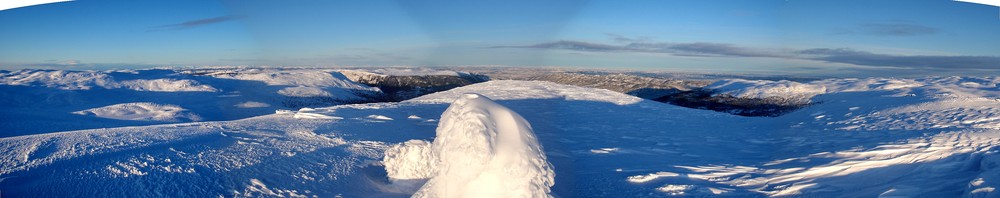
[304, 92]
[761, 89]
[143, 111]
[252, 104]
[379, 117]
[310, 113]
[481, 149]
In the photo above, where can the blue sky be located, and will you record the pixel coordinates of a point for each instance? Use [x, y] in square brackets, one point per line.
[795, 37]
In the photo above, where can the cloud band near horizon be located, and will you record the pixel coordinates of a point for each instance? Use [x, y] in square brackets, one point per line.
[830, 55]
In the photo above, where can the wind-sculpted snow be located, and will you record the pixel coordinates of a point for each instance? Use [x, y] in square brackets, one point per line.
[901, 104]
[924, 137]
[482, 149]
[255, 157]
[795, 91]
[142, 111]
[411, 160]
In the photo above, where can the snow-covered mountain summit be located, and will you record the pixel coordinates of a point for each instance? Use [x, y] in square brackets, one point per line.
[860, 138]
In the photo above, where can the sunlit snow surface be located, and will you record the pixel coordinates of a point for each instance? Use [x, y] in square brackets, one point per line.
[42, 101]
[932, 137]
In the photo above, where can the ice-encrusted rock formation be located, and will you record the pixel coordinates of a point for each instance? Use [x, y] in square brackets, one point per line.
[482, 149]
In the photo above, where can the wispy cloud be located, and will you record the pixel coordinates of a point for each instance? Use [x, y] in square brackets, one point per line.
[194, 23]
[856, 57]
[831, 55]
[678, 49]
[714, 49]
[624, 39]
[58, 64]
[569, 45]
[891, 29]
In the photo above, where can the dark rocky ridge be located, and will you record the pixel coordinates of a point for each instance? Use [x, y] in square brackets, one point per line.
[399, 88]
[752, 107]
[643, 87]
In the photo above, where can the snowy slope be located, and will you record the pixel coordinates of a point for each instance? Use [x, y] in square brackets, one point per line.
[39, 101]
[933, 137]
[876, 136]
[279, 154]
[792, 92]
[85, 80]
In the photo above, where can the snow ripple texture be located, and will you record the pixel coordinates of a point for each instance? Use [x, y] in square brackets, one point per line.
[481, 149]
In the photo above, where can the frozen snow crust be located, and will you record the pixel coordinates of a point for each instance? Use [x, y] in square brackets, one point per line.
[482, 149]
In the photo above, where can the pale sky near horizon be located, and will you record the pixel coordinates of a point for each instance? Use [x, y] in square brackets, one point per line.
[794, 37]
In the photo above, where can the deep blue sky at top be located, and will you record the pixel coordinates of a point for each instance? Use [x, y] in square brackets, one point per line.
[808, 37]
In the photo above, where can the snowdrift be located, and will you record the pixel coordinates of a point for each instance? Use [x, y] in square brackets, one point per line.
[143, 111]
[482, 149]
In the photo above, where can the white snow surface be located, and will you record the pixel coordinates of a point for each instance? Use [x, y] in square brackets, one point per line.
[482, 149]
[920, 137]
